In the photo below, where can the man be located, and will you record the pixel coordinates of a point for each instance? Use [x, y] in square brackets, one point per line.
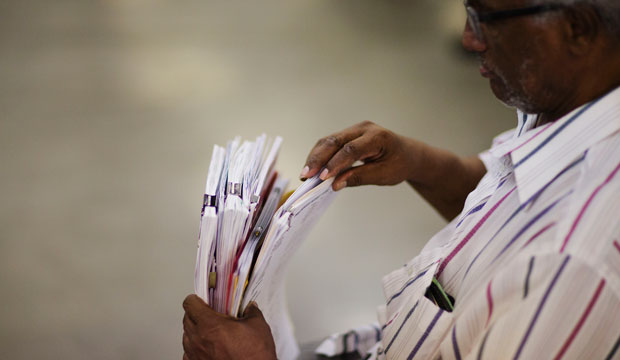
[531, 256]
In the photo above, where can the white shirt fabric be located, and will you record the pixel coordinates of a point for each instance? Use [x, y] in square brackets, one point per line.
[533, 261]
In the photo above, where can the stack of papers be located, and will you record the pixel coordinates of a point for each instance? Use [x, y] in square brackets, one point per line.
[249, 231]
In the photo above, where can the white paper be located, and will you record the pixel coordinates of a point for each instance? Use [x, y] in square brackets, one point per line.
[286, 234]
[238, 176]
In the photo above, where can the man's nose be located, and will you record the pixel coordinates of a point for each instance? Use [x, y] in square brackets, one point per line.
[471, 42]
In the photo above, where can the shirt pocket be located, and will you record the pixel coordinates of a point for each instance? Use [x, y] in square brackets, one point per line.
[417, 328]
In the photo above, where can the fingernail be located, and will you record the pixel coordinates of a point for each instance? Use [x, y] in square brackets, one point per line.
[304, 172]
[324, 174]
[339, 186]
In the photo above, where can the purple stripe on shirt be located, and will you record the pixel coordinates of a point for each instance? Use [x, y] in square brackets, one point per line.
[406, 286]
[529, 224]
[532, 138]
[512, 216]
[484, 342]
[535, 197]
[520, 208]
[586, 205]
[523, 121]
[377, 333]
[526, 287]
[582, 320]
[489, 302]
[428, 330]
[613, 350]
[540, 307]
[401, 325]
[455, 344]
[617, 245]
[471, 233]
[503, 180]
[345, 342]
[555, 133]
[470, 212]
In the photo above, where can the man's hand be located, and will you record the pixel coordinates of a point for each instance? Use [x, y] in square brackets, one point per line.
[208, 334]
[387, 157]
[441, 177]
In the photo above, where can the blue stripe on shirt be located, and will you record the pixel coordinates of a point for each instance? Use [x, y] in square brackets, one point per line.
[455, 344]
[521, 207]
[613, 350]
[406, 285]
[484, 342]
[540, 307]
[472, 211]
[425, 335]
[523, 121]
[554, 134]
[526, 287]
[401, 326]
[529, 224]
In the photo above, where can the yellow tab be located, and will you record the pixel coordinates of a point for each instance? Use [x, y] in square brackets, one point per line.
[245, 286]
[212, 278]
[285, 197]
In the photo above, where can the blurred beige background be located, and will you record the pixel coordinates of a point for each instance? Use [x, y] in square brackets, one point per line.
[108, 113]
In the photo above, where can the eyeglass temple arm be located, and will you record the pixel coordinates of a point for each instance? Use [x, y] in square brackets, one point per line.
[499, 15]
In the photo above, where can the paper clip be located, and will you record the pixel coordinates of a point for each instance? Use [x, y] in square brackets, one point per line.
[234, 189]
[209, 200]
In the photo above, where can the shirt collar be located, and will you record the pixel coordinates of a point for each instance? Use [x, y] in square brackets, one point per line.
[539, 154]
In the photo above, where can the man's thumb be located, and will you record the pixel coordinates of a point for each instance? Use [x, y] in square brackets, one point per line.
[370, 173]
[252, 311]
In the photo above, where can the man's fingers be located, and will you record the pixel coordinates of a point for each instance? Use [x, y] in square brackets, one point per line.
[361, 148]
[188, 324]
[326, 147]
[187, 346]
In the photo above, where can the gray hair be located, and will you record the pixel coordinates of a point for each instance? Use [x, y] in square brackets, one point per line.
[608, 10]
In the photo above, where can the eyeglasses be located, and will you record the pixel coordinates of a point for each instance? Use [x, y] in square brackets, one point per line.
[474, 18]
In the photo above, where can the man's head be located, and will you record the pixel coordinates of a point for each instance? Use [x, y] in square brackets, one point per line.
[546, 56]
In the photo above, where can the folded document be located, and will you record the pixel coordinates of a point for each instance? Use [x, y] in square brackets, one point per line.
[249, 230]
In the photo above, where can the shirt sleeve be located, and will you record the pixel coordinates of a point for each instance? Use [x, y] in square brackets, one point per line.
[549, 306]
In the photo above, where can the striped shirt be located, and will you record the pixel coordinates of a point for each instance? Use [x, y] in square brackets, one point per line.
[533, 261]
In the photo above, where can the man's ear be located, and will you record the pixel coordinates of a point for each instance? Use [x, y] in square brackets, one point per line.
[582, 27]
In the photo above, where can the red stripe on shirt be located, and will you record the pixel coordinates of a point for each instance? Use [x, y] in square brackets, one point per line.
[539, 233]
[585, 207]
[617, 245]
[582, 320]
[471, 233]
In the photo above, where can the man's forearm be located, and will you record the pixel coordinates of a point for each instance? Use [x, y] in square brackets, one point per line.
[443, 178]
